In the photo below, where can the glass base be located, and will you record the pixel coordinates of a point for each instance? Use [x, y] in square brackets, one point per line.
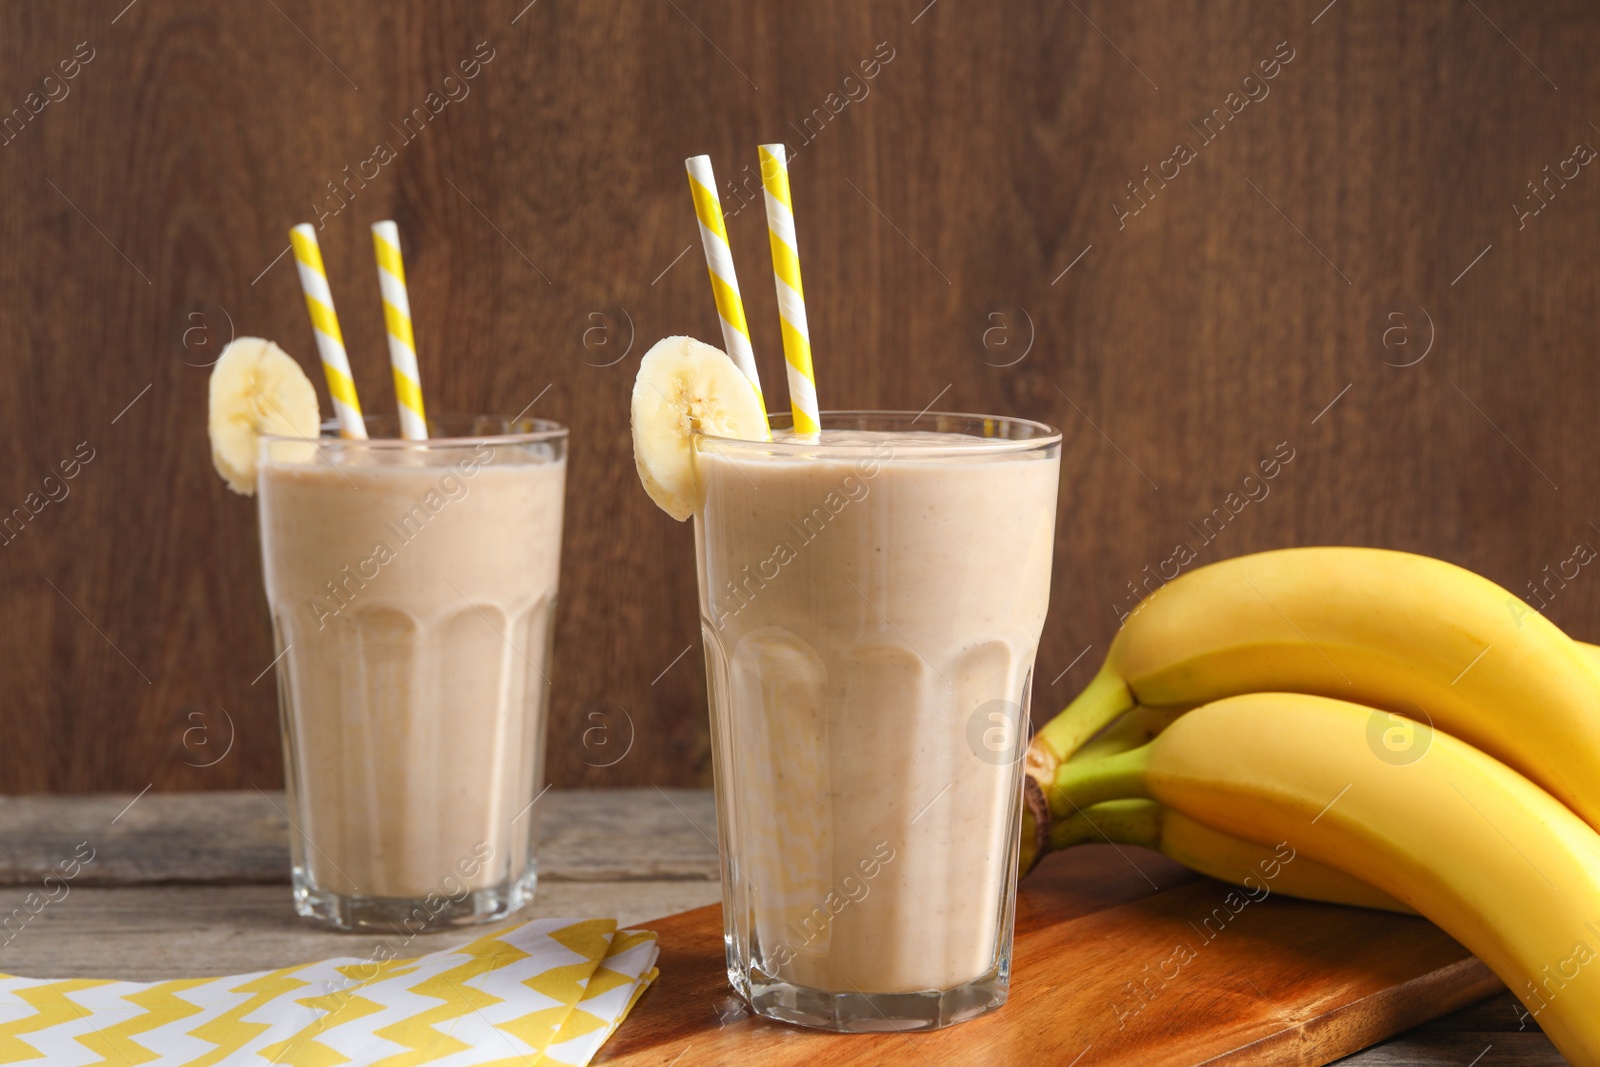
[407, 915]
[869, 1013]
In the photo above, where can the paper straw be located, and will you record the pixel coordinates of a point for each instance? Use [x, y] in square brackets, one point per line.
[791, 297]
[397, 317]
[325, 324]
[719, 261]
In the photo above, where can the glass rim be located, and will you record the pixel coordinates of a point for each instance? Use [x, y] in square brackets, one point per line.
[543, 430]
[1044, 435]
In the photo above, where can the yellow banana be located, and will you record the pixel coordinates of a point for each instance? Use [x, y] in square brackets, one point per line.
[1198, 847]
[1259, 870]
[1498, 863]
[1405, 633]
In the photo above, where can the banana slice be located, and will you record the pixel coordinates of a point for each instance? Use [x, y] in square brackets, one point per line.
[256, 388]
[683, 386]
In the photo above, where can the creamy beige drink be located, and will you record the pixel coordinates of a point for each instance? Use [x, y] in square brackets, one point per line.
[871, 605]
[871, 599]
[412, 589]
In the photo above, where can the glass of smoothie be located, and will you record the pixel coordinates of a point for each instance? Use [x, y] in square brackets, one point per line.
[871, 600]
[412, 586]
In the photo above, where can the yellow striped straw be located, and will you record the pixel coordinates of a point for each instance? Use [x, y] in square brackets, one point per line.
[791, 297]
[719, 261]
[397, 317]
[325, 324]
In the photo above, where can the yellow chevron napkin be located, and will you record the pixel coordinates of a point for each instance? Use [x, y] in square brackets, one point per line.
[546, 992]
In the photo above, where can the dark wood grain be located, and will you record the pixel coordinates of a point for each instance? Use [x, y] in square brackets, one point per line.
[144, 210]
[1456, 1050]
[1286, 982]
[1493, 1029]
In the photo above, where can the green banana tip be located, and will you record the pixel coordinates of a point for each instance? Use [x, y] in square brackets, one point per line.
[1077, 785]
[1105, 697]
[1125, 821]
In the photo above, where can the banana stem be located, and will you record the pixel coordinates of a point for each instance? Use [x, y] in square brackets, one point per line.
[1123, 822]
[1077, 786]
[1103, 699]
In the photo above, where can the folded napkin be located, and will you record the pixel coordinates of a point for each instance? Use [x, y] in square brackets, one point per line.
[546, 992]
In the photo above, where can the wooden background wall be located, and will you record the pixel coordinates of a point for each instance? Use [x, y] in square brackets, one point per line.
[1351, 269]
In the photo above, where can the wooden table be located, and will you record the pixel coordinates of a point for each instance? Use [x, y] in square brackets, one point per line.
[196, 884]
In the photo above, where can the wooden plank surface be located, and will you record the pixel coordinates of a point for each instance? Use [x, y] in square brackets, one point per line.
[1493, 1029]
[585, 836]
[548, 231]
[1530, 1049]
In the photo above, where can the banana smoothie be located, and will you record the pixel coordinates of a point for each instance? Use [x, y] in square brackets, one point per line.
[871, 605]
[412, 588]
[871, 599]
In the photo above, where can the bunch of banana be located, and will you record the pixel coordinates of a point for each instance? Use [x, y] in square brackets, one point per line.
[1270, 685]
[1416, 636]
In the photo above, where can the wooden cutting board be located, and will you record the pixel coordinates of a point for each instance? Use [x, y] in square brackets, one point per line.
[1282, 982]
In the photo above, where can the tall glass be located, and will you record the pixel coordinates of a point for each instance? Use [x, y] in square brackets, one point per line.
[871, 604]
[412, 586]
